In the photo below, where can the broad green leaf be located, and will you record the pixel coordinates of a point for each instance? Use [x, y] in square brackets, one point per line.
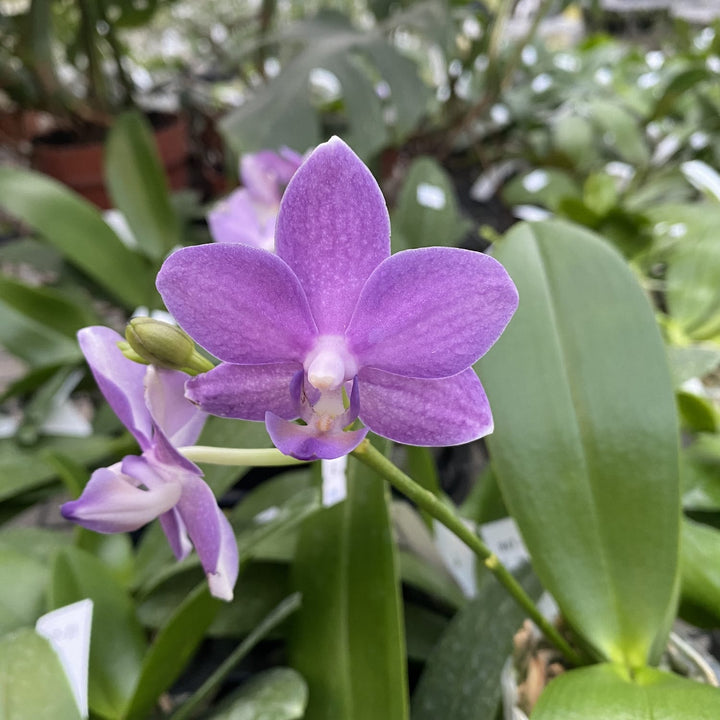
[348, 639]
[461, 680]
[677, 88]
[172, 648]
[692, 361]
[585, 441]
[277, 694]
[46, 306]
[700, 473]
[608, 691]
[138, 186]
[23, 581]
[427, 211]
[696, 412]
[117, 644]
[33, 684]
[576, 137]
[34, 342]
[700, 563]
[24, 469]
[621, 131]
[77, 229]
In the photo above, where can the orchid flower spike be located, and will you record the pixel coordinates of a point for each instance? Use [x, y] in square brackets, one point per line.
[160, 482]
[248, 215]
[333, 328]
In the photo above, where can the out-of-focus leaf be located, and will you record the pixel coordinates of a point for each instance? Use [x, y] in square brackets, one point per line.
[621, 131]
[260, 630]
[277, 694]
[171, 649]
[692, 361]
[697, 412]
[609, 691]
[700, 473]
[33, 683]
[700, 564]
[585, 433]
[427, 211]
[46, 306]
[546, 187]
[461, 680]
[23, 581]
[77, 229]
[117, 643]
[677, 88]
[348, 640]
[138, 187]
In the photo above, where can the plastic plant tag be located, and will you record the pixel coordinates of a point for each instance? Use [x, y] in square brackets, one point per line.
[334, 481]
[503, 538]
[458, 557]
[68, 630]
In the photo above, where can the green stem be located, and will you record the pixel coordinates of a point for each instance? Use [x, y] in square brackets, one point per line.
[425, 500]
[258, 457]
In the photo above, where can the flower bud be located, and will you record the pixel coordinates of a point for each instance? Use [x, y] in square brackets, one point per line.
[165, 345]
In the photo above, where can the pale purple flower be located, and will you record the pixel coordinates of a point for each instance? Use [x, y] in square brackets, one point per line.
[332, 328]
[248, 214]
[160, 482]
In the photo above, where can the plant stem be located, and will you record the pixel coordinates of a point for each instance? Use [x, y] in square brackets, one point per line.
[258, 457]
[424, 499]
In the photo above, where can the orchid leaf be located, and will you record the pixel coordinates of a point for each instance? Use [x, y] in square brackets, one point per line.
[461, 680]
[117, 644]
[138, 186]
[585, 445]
[33, 683]
[348, 641]
[609, 691]
[23, 582]
[172, 648]
[277, 694]
[76, 228]
[700, 562]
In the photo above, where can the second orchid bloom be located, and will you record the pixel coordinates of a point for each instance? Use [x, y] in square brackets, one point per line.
[332, 328]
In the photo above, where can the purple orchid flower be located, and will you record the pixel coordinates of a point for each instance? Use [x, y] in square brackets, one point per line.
[160, 482]
[248, 215]
[333, 328]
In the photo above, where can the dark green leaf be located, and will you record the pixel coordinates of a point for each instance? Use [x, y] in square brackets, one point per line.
[700, 562]
[138, 187]
[585, 433]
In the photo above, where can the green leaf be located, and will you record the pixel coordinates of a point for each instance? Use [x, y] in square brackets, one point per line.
[547, 187]
[621, 131]
[77, 229]
[700, 473]
[461, 680]
[33, 684]
[607, 691]
[117, 644]
[348, 640]
[23, 581]
[260, 630]
[585, 442]
[677, 88]
[138, 186]
[172, 649]
[700, 562]
[427, 212]
[277, 694]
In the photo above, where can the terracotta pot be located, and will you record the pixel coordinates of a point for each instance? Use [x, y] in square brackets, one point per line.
[80, 164]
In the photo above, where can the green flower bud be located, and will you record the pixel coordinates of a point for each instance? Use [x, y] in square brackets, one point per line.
[165, 345]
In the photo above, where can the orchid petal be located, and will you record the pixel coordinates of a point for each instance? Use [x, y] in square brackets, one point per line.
[111, 503]
[305, 443]
[120, 380]
[175, 531]
[263, 173]
[333, 230]
[200, 515]
[221, 581]
[243, 304]
[422, 411]
[246, 391]
[180, 420]
[236, 219]
[431, 312]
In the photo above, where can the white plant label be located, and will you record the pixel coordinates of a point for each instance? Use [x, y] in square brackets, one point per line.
[503, 538]
[334, 480]
[459, 559]
[68, 630]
